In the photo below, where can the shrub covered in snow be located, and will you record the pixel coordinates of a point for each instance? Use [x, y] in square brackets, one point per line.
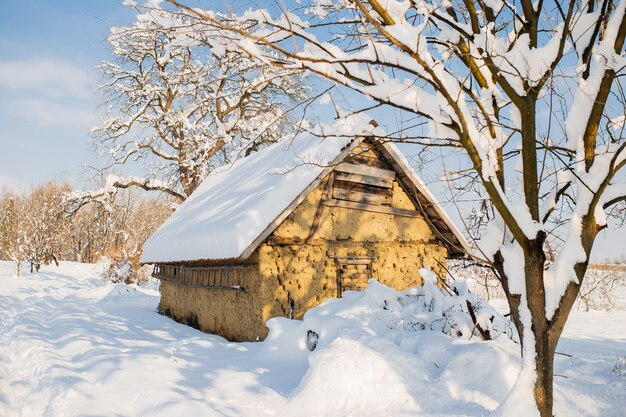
[483, 282]
[117, 271]
[383, 311]
[122, 270]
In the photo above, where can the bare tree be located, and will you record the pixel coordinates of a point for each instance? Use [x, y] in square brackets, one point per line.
[85, 235]
[43, 225]
[11, 239]
[36, 227]
[181, 111]
[128, 222]
[528, 90]
[114, 227]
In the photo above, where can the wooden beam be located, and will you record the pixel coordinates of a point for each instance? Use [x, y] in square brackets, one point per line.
[360, 159]
[275, 240]
[369, 207]
[366, 170]
[363, 179]
[364, 188]
[360, 196]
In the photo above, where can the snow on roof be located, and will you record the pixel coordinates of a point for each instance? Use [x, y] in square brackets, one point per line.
[235, 205]
[237, 202]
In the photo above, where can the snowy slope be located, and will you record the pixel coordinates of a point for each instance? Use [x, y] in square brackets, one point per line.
[72, 346]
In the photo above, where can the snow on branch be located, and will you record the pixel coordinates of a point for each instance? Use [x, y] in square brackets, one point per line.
[74, 200]
[181, 105]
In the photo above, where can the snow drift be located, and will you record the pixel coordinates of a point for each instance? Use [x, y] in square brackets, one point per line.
[78, 347]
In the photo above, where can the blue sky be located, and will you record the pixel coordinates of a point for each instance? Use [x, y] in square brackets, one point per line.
[49, 50]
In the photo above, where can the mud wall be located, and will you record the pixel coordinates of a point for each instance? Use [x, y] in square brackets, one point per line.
[233, 314]
[296, 277]
[291, 276]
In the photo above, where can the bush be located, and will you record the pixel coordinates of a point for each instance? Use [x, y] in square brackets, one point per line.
[598, 290]
[123, 271]
[118, 271]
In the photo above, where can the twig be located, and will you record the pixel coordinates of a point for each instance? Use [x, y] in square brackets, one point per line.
[483, 333]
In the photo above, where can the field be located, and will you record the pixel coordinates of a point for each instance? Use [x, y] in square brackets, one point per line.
[72, 345]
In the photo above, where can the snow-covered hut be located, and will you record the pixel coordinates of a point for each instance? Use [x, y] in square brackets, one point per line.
[292, 225]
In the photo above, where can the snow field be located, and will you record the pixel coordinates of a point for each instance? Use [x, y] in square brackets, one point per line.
[73, 346]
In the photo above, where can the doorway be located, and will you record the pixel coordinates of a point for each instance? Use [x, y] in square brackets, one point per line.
[353, 273]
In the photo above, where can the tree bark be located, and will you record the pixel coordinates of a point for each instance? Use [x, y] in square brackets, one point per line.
[538, 337]
[544, 369]
[544, 346]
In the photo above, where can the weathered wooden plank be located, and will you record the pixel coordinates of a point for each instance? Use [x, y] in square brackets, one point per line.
[364, 188]
[360, 196]
[366, 170]
[276, 240]
[373, 208]
[361, 159]
[363, 179]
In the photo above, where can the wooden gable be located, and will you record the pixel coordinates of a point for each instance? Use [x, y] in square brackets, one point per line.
[359, 178]
[364, 181]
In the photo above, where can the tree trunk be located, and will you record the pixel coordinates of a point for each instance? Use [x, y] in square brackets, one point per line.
[544, 368]
[538, 336]
[543, 345]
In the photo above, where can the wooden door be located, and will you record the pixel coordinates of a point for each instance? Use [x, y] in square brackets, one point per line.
[352, 274]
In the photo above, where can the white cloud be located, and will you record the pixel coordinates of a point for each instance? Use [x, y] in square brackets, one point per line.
[57, 113]
[50, 77]
[46, 92]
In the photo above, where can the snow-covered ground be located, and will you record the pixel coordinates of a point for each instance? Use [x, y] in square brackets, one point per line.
[73, 346]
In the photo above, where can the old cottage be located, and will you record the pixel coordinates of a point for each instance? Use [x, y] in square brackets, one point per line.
[282, 230]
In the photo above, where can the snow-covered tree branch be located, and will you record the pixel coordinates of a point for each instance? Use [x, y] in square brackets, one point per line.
[529, 90]
[178, 110]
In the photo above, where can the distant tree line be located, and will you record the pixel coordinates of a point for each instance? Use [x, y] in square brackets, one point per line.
[41, 226]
